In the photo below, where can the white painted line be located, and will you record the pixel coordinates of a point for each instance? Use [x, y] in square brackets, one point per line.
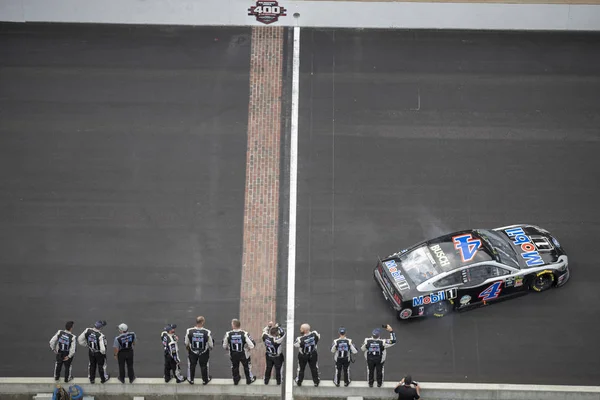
[291, 284]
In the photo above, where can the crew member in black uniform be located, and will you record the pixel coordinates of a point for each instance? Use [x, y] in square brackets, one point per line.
[198, 342]
[171, 350]
[307, 345]
[123, 348]
[95, 341]
[342, 349]
[239, 343]
[63, 344]
[375, 353]
[273, 337]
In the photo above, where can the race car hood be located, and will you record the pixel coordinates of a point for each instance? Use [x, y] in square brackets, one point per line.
[534, 246]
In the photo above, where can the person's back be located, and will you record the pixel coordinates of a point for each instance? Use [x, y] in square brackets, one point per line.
[407, 389]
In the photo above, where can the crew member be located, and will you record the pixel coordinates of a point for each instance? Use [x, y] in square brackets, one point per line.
[171, 350]
[95, 341]
[239, 343]
[342, 350]
[408, 389]
[273, 337]
[63, 344]
[198, 342]
[375, 353]
[123, 348]
[307, 354]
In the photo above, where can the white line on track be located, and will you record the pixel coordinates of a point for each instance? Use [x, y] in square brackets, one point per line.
[291, 284]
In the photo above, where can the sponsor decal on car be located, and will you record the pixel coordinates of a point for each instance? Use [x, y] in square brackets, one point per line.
[510, 282]
[435, 297]
[467, 245]
[562, 279]
[441, 256]
[397, 275]
[406, 313]
[530, 254]
[267, 11]
[518, 281]
[466, 299]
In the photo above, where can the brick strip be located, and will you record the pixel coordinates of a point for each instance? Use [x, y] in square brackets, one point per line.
[261, 209]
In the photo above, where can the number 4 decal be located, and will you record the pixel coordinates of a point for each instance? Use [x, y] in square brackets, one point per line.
[492, 292]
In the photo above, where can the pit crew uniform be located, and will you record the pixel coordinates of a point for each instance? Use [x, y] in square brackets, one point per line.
[95, 341]
[307, 354]
[375, 354]
[172, 359]
[124, 343]
[239, 343]
[199, 342]
[274, 354]
[63, 343]
[342, 348]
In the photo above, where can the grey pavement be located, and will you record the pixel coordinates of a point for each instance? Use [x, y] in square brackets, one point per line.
[122, 172]
[408, 135]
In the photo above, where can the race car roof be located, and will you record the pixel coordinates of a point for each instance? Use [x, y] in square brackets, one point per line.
[444, 254]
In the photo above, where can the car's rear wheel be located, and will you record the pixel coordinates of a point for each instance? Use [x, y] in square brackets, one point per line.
[542, 281]
[440, 309]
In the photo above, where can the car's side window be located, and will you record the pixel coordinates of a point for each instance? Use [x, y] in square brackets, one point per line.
[485, 272]
[450, 280]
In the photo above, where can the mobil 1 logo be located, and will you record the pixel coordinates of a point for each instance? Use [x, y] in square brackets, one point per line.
[267, 12]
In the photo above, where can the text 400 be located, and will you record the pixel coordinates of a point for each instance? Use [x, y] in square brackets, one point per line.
[267, 10]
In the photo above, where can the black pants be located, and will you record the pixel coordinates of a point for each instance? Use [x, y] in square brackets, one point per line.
[193, 360]
[97, 360]
[126, 357]
[276, 362]
[172, 366]
[236, 359]
[312, 360]
[375, 365]
[342, 364]
[59, 363]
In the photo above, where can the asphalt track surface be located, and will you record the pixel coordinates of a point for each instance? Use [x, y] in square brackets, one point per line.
[122, 161]
[122, 170]
[404, 136]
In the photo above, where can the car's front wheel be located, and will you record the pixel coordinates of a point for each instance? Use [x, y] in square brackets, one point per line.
[542, 281]
[440, 309]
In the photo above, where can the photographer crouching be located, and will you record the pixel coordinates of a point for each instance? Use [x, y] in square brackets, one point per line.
[408, 389]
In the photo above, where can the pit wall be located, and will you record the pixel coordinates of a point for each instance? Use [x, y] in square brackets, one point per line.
[157, 389]
[439, 14]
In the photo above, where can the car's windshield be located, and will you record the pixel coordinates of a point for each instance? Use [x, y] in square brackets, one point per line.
[503, 248]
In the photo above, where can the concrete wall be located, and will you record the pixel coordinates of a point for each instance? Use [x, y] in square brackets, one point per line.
[312, 14]
[154, 389]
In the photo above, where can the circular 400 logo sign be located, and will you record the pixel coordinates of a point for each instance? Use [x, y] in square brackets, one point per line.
[267, 12]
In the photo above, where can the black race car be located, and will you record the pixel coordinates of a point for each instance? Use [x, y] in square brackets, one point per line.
[471, 268]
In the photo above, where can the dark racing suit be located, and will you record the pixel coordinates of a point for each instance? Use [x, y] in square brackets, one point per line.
[95, 341]
[124, 343]
[63, 344]
[274, 354]
[239, 343]
[199, 342]
[172, 359]
[375, 354]
[307, 354]
[341, 348]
